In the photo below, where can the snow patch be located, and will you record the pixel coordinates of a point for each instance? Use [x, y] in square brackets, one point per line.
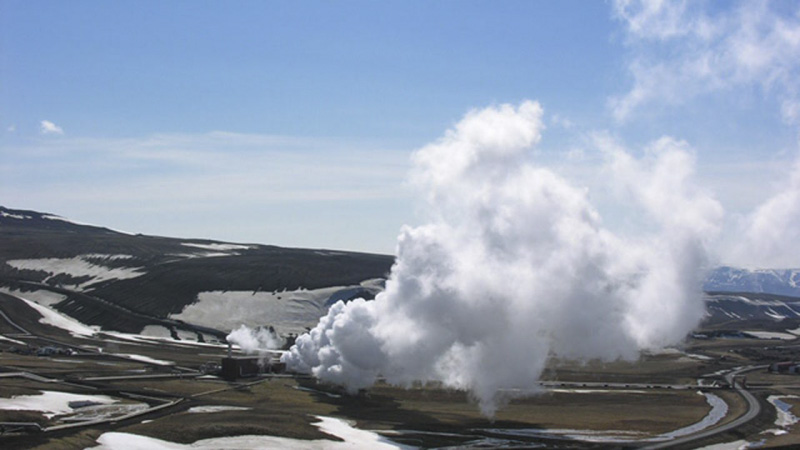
[156, 340]
[156, 331]
[58, 320]
[785, 418]
[40, 296]
[14, 216]
[286, 311]
[213, 409]
[772, 335]
[353, 438]
[51, 403]
[218, 247]
[3, 338]
[143, 358]
[78, 267]
[772, 313]
[735, 445]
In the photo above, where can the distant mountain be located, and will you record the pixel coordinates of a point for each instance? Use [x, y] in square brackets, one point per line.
[730, 308]
[129, 282]
[778, 282]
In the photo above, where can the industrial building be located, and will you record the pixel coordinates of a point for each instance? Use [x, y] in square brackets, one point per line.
[236, 367]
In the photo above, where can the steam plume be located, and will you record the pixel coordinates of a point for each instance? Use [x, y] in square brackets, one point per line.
[255, 340]
[515, 266]
[769, 235]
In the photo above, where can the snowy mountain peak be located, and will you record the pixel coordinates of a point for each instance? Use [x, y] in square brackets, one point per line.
[762, 281]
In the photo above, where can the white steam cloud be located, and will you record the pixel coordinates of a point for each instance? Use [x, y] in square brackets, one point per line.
[256, 340]
[515, 266]
[770, 236]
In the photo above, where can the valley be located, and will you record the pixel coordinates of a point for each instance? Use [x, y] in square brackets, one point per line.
[108, 338]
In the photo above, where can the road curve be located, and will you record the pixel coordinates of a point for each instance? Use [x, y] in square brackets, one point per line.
[753, 408]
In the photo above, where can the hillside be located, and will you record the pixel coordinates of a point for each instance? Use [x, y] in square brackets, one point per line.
[188, 287]
[127, 282]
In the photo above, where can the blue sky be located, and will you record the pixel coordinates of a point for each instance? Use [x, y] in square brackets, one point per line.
[292, 123]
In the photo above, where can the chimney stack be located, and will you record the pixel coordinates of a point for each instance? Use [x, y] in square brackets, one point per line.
[230, 350]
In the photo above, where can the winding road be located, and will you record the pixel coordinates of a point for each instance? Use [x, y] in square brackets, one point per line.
[753, 408]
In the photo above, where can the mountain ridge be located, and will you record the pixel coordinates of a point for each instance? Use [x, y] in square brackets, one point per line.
[100, 271]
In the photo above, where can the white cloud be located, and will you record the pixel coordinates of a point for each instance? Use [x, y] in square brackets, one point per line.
[681, 49]
[47, 127]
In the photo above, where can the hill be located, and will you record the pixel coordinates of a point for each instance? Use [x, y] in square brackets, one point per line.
[128, 282]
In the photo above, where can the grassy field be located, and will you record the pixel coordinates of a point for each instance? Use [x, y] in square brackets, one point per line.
[429, 416]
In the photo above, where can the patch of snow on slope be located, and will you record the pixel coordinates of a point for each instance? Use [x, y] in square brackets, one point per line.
[138, 338]
[40, 296]
[143, 358]
[215, 408]
[735, 445]
[785, 418]
[353, 439]
[218, 247]
[79, 266]
[156, 331]
[52, 403]
[771, 335]
[772, 313]
[14, 216]
[14, 341]
[58, 320]
[287, 311]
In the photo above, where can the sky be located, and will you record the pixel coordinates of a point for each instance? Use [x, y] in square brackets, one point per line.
[294, 124]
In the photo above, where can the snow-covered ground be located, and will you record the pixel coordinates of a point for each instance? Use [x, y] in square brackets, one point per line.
[353, 439]
[51, 403]
[156, 331]
[288, 311]
[40, 296]
[8, 339]
[218, 247]
[143, 358]
[101, 412]
[79, 266]
[213, 409]
[785, 417]
[735, 445]
[14, 216]
[56, 319]
[772, 335]
[142, 339]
